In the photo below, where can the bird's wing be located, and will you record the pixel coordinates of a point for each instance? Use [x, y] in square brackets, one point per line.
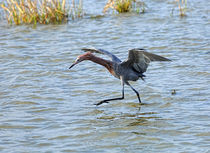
[102, 51]
[139, 59]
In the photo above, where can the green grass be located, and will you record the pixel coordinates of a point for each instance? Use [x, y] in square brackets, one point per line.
[40, 11]
[123, 6]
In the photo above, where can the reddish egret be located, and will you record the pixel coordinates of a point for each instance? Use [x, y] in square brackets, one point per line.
[130, 70]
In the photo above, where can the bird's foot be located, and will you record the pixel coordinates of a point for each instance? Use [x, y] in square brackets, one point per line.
[101, 102]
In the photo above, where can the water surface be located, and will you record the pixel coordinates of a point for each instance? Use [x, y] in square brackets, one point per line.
[45, 107]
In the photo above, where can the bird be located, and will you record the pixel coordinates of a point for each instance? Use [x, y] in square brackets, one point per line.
[129, 70]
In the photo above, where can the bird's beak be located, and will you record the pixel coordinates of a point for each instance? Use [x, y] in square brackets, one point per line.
[76, 62]
[72, 65]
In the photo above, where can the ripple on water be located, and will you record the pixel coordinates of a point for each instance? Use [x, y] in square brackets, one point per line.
[45, 107]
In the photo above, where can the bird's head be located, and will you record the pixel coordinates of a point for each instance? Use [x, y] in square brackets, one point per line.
[81, 58]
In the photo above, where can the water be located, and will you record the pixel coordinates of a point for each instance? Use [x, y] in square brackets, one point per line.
[45, 107]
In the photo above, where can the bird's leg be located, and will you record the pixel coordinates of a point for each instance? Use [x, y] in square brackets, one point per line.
[120, 98]
[107, 100]
[134, 91]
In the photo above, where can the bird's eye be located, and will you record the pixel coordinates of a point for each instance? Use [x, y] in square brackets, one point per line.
[78, 60]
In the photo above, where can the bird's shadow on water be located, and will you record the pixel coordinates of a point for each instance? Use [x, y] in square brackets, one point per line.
[129, 116]
[119, 110]
[129, 119]
[123, 104]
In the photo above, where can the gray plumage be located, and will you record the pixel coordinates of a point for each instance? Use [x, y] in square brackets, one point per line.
[102, 51]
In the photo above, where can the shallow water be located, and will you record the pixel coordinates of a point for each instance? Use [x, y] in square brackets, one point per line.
[45, 107]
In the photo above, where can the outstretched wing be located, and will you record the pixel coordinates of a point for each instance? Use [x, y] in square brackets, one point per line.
[139, 59]
[102, 51]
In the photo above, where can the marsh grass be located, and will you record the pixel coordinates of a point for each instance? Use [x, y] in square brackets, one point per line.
[182, 6]
[40, 11]
[76, 9]
[122, 6]
[140, 7]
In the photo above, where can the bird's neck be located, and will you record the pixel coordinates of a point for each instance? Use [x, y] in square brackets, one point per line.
[106, 63]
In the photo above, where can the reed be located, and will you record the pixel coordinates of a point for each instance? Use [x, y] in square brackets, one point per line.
[76, 9]
[182, 4]
[37, 11]
[122, 6]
